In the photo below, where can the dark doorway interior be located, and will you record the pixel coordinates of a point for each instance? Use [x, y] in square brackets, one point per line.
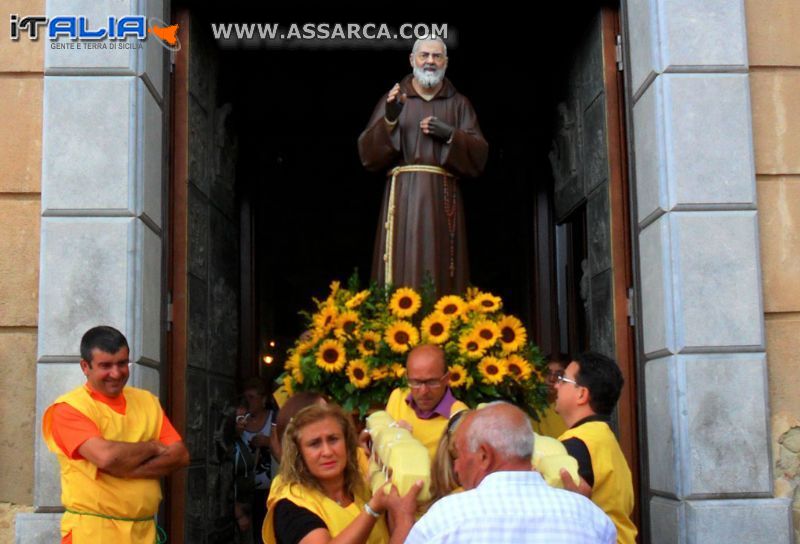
[298, 114]
[305, 211]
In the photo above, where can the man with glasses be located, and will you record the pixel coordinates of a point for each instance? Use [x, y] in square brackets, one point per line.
[113, 443]
[424, 134]
[586, 395]
[426, 405]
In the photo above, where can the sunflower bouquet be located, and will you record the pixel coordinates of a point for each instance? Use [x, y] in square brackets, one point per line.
[356, 342]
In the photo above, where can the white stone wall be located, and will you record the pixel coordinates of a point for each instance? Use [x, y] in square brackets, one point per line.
[702, 325]
[103, 173]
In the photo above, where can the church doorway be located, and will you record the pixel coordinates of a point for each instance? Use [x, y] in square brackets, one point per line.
[277, 204]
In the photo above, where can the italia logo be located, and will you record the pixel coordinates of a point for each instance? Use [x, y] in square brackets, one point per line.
[113, 28]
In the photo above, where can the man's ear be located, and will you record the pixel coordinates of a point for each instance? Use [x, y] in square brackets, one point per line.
[85, 366]
[583, 396]
[485, 456]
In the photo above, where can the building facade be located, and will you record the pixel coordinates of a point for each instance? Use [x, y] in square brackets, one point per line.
[714, 146]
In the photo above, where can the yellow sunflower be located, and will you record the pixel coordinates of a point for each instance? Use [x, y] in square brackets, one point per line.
[346, 325]
[304, 347]
[512, 334]
[492, 370]
[368, 344]
[486, 303]
[358, 373]
[287, 385]
[519, 368]
[451, 306]
[487, 331]
[357, 300]
[331, 356]
[399, 370]
[380, 373]
[436, 328]
[472, 292]
[293, 367]
[401, 336]
[405, 302]
[470, 346]
[325, 319]
[458, 376]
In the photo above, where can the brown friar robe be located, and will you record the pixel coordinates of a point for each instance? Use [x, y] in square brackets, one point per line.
[429, 232]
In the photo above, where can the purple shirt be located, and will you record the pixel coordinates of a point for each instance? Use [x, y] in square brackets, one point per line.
[442, 409]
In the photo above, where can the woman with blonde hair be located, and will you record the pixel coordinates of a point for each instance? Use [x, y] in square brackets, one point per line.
[443, 477]
[322, 497]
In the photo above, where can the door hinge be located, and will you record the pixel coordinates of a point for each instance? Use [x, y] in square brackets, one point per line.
[631, 314]
[618, 53]
[169, 311]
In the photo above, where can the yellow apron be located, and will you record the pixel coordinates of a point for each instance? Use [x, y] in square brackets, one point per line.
[90, 496]
[613, 484]
[336, 517]
[427, 431]
[551, 424]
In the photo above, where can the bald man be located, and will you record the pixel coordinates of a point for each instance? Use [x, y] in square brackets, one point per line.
[427, 404]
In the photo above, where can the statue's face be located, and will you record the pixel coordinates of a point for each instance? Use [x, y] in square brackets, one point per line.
[429, 63]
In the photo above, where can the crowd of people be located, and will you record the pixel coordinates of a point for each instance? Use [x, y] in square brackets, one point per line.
[483, 487]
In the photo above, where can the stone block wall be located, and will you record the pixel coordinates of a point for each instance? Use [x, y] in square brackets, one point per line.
[698, 222]
[21, 87]
[774, 54]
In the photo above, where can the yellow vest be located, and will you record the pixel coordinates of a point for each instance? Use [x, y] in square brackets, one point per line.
[551, 424]
[85, 489]
[613, 484]
[336, 517]
[427, 431]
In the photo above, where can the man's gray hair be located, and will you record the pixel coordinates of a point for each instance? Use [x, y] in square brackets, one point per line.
[429, 39]
[512, 437]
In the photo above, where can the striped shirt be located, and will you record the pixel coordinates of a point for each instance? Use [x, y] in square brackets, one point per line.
[514, 507]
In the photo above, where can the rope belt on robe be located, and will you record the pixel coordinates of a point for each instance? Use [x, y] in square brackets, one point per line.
[449, 209]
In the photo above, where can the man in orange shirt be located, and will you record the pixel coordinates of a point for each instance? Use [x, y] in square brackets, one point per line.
[113, 443]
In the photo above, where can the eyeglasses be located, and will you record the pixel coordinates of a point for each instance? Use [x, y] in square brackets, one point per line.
[454, 420]
[430, 384]
[564, 379]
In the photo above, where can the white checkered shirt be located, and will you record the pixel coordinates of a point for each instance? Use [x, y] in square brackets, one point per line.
[514, 508]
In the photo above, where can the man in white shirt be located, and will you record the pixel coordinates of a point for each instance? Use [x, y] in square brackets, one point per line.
[505, 501]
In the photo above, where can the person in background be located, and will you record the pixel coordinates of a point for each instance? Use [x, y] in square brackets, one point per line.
[255, 427]
[550, 422]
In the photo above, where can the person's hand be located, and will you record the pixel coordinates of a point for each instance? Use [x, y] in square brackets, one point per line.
[403, 424]
[365, 441]
[394, 103]
[242, 514]
[437, 128]
[582, 488]
[259, 441]
[403, 509]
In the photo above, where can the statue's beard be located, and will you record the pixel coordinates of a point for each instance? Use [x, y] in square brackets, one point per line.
[428, 78]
